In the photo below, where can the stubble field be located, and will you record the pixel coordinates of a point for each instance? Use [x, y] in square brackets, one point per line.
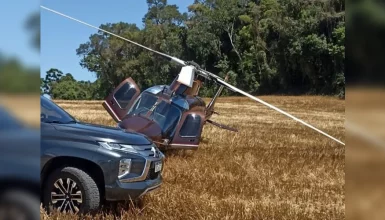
[273, 168]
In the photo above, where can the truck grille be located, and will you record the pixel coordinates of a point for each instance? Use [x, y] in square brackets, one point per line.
[148, 151]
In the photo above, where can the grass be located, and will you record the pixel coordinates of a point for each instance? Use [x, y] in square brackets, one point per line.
[273, 168]
[25, 107]
[365, 159]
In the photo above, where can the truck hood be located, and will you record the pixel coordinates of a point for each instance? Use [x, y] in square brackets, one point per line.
[103, 133]
[20, 151]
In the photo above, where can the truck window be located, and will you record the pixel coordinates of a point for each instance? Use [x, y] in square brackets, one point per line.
[190, 126]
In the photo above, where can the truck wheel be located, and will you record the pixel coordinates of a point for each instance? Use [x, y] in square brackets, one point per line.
[19, 204]
[71, 190]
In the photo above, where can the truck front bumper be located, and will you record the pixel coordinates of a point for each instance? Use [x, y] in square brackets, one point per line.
[126, 191]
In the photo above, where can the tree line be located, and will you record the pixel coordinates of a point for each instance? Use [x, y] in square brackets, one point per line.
[15, 76]
[58, 85]
[266, 47]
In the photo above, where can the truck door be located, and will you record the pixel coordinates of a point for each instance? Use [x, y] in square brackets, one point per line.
[119, 102]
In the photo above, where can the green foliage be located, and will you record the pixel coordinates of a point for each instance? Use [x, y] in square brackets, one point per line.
[33, 25]
[51, 80]
[65, 87]
[266, 46]
[366, 28]
[16, 78]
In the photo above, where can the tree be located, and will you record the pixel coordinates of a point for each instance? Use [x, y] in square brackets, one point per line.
[42, 84]
[109, 57]
[267, 46]
[66, 87]
[16, 78]
[33, 25]
[160, 13]
[67, 90]
[68, 77]
[51, 80]
[113, 60]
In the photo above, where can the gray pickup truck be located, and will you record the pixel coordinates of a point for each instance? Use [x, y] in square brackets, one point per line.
[19, 168]
[83, 165]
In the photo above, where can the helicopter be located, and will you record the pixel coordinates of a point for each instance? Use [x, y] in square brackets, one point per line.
[172, 115]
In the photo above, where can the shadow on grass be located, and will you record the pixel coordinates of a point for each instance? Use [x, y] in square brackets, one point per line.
[109, 210]
[184, 153]
[178, 153]
[121, 208]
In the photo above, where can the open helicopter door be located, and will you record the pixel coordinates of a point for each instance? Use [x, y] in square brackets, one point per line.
[188, 131]
[119, 102]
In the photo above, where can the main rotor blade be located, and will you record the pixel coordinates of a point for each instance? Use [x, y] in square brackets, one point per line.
[179, 61]
[277, 109]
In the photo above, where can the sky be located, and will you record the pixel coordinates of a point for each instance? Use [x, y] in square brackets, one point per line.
[15, 39]
[60, 36]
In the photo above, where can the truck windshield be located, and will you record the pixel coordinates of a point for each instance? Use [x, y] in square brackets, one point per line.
[165, 114]
[8, 121]
[52, 113]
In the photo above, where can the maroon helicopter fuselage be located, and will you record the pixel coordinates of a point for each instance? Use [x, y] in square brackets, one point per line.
[172, 116]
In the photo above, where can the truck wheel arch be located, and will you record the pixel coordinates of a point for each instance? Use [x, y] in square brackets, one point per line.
[94, 170]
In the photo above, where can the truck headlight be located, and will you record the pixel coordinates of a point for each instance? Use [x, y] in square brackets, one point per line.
[122, 147]
[124, 167]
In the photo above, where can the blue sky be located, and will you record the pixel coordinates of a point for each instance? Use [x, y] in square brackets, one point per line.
[15, 39]
[60, 36]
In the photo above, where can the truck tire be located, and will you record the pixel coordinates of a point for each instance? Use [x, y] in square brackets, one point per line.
[19, 204]
[71, 190]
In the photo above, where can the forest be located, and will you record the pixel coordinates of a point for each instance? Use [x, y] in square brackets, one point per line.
[290, 47]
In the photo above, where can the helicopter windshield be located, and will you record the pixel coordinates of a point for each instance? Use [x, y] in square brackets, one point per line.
[165, 114]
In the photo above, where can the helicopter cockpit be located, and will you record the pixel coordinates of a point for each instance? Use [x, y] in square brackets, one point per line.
[166, 115]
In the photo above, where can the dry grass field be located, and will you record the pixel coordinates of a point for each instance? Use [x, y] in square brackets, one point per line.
[25, 107]
[365, 154]
[273, 168]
